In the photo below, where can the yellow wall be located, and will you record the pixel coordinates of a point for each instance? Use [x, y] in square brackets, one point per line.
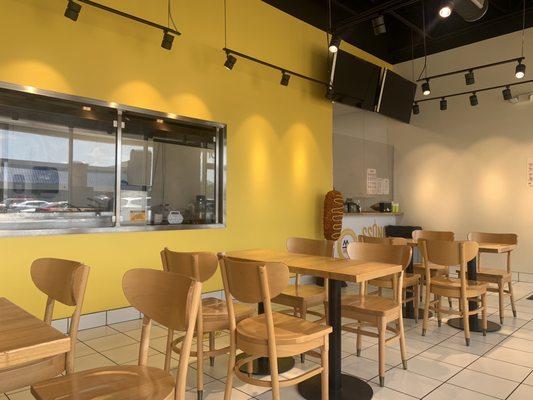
[279, 138]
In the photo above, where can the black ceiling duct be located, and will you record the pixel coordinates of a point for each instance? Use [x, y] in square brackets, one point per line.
[471, 10]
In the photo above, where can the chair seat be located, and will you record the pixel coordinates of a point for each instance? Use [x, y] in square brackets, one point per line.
[452, 287]
[419, 268]
[493, 275]
[118, 383]
[372, 305]
[287, 329]
[310, 294]
[215, 313]
[385, 282]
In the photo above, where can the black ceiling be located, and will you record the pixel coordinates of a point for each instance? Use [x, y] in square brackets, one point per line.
[404, 22]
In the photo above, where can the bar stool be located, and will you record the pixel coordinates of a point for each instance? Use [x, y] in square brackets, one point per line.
[497, 276]
[64, 281]
[410, 281]
[212, 316]
[299, 296]
[170, 299]
[270, 334]
[374, 310]
[452, 253]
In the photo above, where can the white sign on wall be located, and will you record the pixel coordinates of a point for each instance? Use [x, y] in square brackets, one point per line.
[371, 181]
[530, 172]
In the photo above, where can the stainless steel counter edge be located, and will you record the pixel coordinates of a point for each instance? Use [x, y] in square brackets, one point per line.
[82, 231]
[373, 214]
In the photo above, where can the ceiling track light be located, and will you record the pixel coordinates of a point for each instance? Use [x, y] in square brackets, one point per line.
[73, 10]
[473, 100]
[167, 41]
[378, 25]
[443, 104]
[520, 70]
[426, 90]
[285, 78]
[416, 109]
[470, 79]
[230, 61]
[334, 44]
[446, 8]
[506, 93]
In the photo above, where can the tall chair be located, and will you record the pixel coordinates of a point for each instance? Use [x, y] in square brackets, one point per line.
[452, 253]
[411, 281]
[212, 316]
[63, 281]
[497, 276]
[270, 334]
[300, 297]
[171, 300]
[374, 310]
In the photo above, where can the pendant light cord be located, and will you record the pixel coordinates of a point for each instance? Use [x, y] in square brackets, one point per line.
[225, 25]
[523, 25]
[169, 17]
[424, 69]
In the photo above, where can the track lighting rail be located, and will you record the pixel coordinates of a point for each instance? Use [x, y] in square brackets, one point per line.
[474, 91]
[461, 71]
[267, 64]
[129, 16]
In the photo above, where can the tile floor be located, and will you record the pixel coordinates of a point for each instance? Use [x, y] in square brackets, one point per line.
[498, 366]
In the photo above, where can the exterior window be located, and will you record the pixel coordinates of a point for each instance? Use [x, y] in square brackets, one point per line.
[60, 168]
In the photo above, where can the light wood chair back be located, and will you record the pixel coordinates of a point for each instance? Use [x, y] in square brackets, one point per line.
[64, 281]
[170, 299]
[385, 253]
[383, 240]
[312, 247]
[433, 235]
[198, 265]
[498, 238]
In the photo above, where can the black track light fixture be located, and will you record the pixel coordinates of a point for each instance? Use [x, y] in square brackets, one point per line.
[334, 44]
[443, 104]
[520, 70]
[470, 79]
[230, 61]
[426, 90]
[285, 78]
[446, 9]
[506, 93]
[416, 109]
[167, 41]
[73, 10]
[473, 100]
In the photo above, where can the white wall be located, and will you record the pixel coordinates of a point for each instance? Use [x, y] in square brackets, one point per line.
[464, 169]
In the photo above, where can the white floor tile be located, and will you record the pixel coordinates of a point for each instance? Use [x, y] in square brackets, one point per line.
[512, 356]
[518, 344]
[384, 393]
[458, 343]
[109, 342]
[483, 383]
[88, 334]
[215, 391]
[523, 392]
[409, 383]
[91, 361]
[449, 356]
[449, 392]
[392, 357]
[432, 368]
[529, 380]
[361, 367]
[500, 369]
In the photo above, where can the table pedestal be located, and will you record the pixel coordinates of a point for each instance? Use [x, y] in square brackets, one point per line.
[474, 322]
[341, 386]
[409, 310]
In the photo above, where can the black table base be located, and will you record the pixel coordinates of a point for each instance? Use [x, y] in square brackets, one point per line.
[262, 365]
[352, 388]
[476, 327]
[409, 314]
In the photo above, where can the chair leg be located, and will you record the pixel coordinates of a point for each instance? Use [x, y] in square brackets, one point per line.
[303, 315]
[450, 304]
[416, 301]
[439, 305]
[273, 362]
[200, 360]
[382, 327]
[501, 298]
[168, 353]
[358, 341]
[426, 312]
[484, 313]
[211, 348]
[511, 294]
[466, 325]
[231, 368]
[401, 332]
[325, 369]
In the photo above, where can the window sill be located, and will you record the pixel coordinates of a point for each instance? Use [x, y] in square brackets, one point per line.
[116, 229]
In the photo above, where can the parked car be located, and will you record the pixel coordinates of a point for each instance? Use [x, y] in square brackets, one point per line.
[27, 206]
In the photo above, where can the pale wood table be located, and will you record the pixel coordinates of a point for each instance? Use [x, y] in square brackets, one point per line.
[25, 338]
[336, 270]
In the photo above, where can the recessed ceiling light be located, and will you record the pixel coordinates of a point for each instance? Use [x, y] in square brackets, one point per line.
[86, 108]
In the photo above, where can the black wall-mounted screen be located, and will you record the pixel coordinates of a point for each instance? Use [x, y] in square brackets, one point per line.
[397, 96]
[355, 81]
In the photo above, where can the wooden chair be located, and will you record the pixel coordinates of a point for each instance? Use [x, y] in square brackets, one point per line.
[212, 316]
[410, 281]
[168, 298]
[63, 281]
[452, 253]
[497, 276]
[270, 334]
[300, 297]
[374, 310]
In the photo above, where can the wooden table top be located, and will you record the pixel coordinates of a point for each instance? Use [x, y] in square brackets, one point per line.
[25, 338]
[325, 267]
[496, 247]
